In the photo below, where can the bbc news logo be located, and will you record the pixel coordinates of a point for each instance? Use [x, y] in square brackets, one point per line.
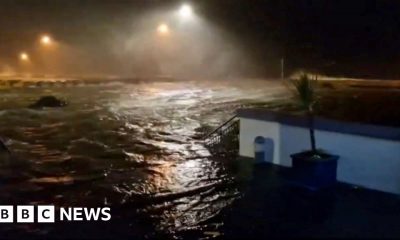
[48, 214]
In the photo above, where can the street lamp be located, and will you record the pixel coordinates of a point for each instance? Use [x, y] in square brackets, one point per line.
[163, 29]
[46, 40]
[23, 56]
[186, 11]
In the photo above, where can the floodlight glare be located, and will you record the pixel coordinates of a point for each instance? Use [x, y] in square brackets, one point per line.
[186, 11]
[46, 40]
[24, 56]
[163, 29]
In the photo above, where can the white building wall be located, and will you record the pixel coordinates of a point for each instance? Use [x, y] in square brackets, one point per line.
[250, 129]
[365, 161]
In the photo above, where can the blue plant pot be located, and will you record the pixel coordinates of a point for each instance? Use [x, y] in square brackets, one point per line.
[314, 174]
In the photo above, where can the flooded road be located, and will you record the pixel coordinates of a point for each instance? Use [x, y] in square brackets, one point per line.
[133, 147]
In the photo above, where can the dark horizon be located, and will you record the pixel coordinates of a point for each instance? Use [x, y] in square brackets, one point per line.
[337, 38]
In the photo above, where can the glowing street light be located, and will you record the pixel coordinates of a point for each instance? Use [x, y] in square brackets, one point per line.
[24, 57]
[186, 11]
[163, 29]
[46, 40]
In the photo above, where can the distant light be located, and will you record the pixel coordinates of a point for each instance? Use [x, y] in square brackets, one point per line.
[186, 11]
[163, 29]
[46, 40]
[24, 56]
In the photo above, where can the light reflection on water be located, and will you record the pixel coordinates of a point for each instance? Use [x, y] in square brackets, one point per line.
[128, 146]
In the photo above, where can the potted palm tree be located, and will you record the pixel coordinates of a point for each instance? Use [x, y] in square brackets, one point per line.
[314, 168]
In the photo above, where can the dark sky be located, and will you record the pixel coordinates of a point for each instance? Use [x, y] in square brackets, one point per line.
[344, 38]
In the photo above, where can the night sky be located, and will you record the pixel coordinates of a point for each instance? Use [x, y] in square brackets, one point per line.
[341, 38]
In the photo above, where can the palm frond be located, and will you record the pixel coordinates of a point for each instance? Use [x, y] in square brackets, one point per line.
[304, 90]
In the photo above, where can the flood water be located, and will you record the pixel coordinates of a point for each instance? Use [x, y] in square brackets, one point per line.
[133, 147]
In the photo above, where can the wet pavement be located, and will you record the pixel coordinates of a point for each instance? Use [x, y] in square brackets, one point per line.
[272, 207]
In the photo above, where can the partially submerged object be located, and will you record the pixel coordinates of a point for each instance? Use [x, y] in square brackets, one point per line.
[3, 147]
[48, 101]
[5, 153]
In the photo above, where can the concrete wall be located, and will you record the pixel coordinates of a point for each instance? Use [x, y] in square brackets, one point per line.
[364, 160]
